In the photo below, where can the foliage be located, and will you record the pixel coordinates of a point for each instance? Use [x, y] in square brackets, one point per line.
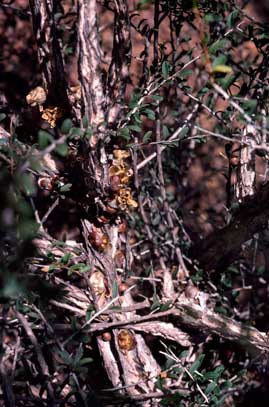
[109, 179]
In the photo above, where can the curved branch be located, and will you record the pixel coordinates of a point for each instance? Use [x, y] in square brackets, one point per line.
[223, 246]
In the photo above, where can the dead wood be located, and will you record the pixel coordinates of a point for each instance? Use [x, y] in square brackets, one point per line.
[90, 75]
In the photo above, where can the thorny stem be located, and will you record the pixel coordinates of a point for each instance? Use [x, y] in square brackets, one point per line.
[163, 194]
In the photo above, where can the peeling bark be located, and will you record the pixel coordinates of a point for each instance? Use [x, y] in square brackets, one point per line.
[249, 338]
[89, 52]
[246, 175]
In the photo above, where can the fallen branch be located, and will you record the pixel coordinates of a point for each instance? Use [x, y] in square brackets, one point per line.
[193, 316]
[115, 399]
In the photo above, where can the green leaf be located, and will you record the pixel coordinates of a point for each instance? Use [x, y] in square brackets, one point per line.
[66, 126]
[249, 106]
[57, 16]
[221, 310]
[137, 118]
[24, 208]
[220, 44]
[185, 73]
[203, 91]
[232, 18]
[65, 188]
[196, 365]
[69, 51]
[183, 354]
[88, 133]
[215, 374]
[28, 184]
[227, 81]
[36, 164]
[221, 401]
[11, 287]
[156, 220]
[211, 18]
[147, 136]
[85, 361]
[183, 132]
[159, 98]
[135, 128]
[155, 302]
[124, 133]
[209, 100]
[166, 306]
[66, 257]
[211, 387]
[78, 356]
[2, 116]
[76, 132]
[81, 267]
[67, 358]
[166, 67]
[149, 113]
[135, 98]
[114, 289]
[165, 131]
[44, 139]
[148, 271]
[62, 149]
[220, 60]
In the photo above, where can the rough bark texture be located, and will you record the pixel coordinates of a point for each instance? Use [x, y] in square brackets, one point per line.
[249, 338]
[132, 364]
[118, 75]
[246, 175]
[93, 99]
[49, 52]
[122, 367]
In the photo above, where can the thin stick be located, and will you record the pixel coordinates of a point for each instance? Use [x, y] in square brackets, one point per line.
[41, 360]
[51, 208]
[163, 194]
[172, 137]
[97, 314]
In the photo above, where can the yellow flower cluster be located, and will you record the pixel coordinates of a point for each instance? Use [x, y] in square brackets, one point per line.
[51, 115]
[37, 97]
[120, 175]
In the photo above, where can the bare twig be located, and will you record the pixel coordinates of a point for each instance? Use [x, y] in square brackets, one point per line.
[41, 360]
[153, 88]
[171, 138]
[164, 197]
[144, 397]
[50, 210]
[225, 95]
